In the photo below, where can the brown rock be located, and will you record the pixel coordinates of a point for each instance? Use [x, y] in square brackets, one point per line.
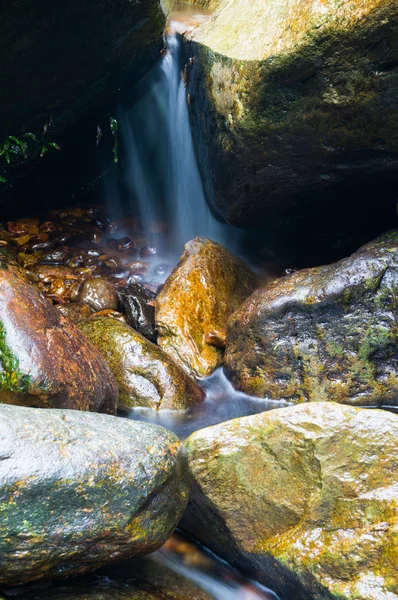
[98, 293]
[45, 360]
[207, 286]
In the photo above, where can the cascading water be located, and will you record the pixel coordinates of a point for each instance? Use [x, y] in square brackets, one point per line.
[159, 170]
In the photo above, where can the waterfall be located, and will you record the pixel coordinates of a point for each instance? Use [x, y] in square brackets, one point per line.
[159, 171]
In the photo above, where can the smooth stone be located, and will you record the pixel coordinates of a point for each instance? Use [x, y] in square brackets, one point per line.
[304, 499]
[74, 311]
[206, 287]
[98, 293]
[140, 315]
[81, 490]
[145, 375]
[45, 360]
[324, 334]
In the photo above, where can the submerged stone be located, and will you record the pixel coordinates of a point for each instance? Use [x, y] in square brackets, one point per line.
[81, 490]
[206, 287]
[145, 375]
[44, 359]
[322, 334]
[304, 498]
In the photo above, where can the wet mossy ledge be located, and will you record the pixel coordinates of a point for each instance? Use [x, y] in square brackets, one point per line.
[294, 108]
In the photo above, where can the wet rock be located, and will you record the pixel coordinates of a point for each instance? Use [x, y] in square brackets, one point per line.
[58, 256]
[305, 497]
[44, 359]
[207, 286]
[111, 314]
[289, 115]
[148, 251]
[145, 375]
[328, 333]
[47, 273]
[108, 489]
[74, 311]
[98, 293]
[137, 304]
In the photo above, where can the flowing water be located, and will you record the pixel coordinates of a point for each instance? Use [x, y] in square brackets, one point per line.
[159, 179]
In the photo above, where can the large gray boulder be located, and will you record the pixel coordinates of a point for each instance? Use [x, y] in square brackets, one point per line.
[81, 490]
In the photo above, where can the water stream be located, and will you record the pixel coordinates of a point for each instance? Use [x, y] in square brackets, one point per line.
[159, 179]
[159, 176]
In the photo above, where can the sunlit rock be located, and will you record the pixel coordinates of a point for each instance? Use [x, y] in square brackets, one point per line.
[305, 498]
[204, 289]
[144, 373]
[81, 490]
[294, 108]
[323, 334]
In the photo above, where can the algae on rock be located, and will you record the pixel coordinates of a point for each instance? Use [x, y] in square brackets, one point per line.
[305, 498]
[321, 334]
[295, 108]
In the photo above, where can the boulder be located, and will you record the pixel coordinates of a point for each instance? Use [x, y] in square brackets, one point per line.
[81, 490]
[98, 293]
[305, 498]
[145, 375]
[328, 333]
[44, 359]
[206, 287]
[295, 115]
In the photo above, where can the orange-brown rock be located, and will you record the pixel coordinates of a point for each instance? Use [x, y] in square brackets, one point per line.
[207, 286]
[44, 359]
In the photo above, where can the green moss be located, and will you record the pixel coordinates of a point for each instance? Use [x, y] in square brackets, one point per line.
[11, 378]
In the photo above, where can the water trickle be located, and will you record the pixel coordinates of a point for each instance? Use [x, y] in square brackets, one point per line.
[159, 171]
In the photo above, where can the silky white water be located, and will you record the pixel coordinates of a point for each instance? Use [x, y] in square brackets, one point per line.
[160, 179]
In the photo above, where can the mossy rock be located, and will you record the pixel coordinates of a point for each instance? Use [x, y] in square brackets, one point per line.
[44, 359]
[193, 307]
[82, 490]
[303, 498]
[294, 107]
[323, 334]
[144, 373]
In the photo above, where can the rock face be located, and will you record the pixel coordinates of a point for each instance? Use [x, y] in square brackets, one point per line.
[43, 75]
[329, 333]
[145, 375]
[204, 289]
[44, 359]
[305, 497]
[80, 490]
[289, 112]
